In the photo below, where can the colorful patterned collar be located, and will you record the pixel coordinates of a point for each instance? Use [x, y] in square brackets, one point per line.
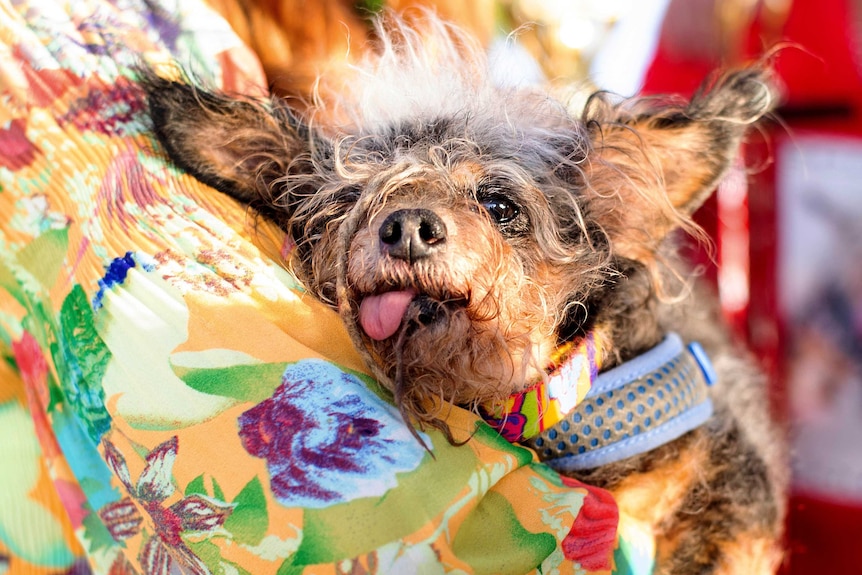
[578, 419]
[544, 404]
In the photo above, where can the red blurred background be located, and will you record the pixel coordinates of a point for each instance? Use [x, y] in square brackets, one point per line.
[800, 228]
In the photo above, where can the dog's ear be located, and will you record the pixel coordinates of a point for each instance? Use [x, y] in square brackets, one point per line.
[664, 160]
[239, 146]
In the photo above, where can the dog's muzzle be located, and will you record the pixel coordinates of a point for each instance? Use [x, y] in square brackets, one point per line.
[408, 235]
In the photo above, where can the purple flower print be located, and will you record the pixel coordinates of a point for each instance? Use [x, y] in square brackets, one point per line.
[327, 439]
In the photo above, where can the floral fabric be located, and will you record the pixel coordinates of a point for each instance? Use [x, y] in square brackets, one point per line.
[170, 399]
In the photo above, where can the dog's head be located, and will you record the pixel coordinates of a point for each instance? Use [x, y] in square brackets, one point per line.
[463, 230]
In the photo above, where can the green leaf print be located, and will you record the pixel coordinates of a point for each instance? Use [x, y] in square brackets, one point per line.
[95, 533]
[81, 360]
[210, 554]
[196, 486]
[250, 520]
[493, 541]
[217, 491]
[247, 382]
[358, 527]
[288, 568]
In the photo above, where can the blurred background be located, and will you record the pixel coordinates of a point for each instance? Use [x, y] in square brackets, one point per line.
[787, 261]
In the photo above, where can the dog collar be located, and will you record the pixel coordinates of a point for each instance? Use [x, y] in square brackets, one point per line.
[630, 409]
[633, 408]
[546, 403]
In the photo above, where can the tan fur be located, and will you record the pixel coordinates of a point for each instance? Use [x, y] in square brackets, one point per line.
[751, 554]
[653, 496]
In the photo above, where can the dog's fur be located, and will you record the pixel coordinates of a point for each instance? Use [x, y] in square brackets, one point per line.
[510, 224]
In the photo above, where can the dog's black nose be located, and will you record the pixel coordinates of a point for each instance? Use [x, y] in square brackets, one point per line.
[412, 234]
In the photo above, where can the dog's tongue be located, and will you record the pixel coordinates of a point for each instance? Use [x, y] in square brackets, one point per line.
[380, 315]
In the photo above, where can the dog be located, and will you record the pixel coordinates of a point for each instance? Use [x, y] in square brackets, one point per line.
[480, 241]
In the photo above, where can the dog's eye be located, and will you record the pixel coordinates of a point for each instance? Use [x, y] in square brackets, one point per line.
[500, 209]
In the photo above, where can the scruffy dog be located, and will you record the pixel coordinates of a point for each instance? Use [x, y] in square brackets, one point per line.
[472, 236]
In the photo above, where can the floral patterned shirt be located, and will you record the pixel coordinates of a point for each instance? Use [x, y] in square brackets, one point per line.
[171, 401]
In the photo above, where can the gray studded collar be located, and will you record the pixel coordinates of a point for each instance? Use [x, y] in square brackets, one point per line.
[632, 408]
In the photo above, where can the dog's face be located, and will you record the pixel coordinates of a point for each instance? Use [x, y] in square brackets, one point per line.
[461, 263]
[463, 231]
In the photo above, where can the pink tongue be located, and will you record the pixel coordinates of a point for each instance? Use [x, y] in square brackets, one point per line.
[380, 315]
